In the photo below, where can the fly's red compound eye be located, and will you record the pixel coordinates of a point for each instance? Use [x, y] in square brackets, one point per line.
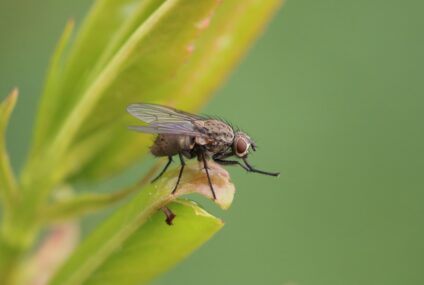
[241, 147]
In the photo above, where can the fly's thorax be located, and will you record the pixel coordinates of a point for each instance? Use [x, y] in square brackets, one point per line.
[215, 132]
[169, 145]
[217, 136]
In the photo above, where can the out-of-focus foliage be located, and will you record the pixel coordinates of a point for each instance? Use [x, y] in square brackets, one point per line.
[174, 52]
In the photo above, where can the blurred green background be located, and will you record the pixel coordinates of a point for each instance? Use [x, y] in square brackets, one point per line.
[333, 94]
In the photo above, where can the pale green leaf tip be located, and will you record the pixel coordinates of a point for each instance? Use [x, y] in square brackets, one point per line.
[194, 180]
[70, 22]
[10, 101]
[69, 27]
[6, 108]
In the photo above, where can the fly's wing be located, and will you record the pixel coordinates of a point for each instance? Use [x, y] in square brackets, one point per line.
[169, 128]
[164, 120]
[151, 113]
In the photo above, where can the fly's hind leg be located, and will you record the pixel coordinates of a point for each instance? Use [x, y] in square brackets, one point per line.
[169, 215]
[163, 170]
[180, 174]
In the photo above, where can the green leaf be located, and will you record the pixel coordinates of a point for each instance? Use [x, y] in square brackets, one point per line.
[80, 205]
[135, 244]
[8, 189]
[50, 100]
[68, 206]
[105, 27]
[8, 192]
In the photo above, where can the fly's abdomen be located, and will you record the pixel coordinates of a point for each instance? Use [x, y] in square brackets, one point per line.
[169, 145]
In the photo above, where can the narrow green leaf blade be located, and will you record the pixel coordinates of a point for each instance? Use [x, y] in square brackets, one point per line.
[107, 24]
[124, 248]
[80, 205]
[8, 195]
[50, 101]
[8, 190]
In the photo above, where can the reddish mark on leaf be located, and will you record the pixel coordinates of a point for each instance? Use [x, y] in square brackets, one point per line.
[190, 48]
[203, 24]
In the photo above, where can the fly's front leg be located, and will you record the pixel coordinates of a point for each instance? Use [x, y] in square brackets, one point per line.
[205, 164]
[223, 155]
[247, 167]
[230, 162]
[252, 169]
[181, 172]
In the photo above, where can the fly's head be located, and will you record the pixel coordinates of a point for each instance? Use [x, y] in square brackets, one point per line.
[241, 144]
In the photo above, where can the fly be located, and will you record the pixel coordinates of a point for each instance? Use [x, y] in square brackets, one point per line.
[193, 136]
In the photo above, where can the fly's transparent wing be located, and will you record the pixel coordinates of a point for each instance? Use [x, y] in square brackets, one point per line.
[169, 128]
[152, 113]
[164, 120]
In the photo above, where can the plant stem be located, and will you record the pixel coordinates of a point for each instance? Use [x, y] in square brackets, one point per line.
[9, 257]
[17, 237]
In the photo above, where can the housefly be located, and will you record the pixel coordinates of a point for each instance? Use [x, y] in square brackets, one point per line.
[193, 136]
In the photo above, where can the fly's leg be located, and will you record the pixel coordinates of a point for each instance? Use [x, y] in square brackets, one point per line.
[246, 167]
[230, 162]
[180, 174]
[207, 174]
[164, 169]
[169, 215]
[252, 169]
